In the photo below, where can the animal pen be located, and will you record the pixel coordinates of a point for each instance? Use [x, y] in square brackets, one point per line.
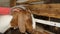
[46, 15]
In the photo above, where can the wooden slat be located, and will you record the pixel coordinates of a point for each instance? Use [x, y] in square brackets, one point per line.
[50, 10]
[45, 6]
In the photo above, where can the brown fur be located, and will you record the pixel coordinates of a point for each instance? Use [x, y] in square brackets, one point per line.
[14, 21]
[22, 19]
[26, 21]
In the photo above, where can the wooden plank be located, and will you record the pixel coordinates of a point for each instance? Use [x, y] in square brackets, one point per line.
[50, 10]
[45, 6]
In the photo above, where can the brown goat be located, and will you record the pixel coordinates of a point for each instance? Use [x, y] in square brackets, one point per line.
[22, 19]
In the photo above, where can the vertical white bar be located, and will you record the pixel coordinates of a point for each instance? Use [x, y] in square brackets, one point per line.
[33, 21]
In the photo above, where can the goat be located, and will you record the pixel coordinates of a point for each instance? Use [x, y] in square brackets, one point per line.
[22, 19]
